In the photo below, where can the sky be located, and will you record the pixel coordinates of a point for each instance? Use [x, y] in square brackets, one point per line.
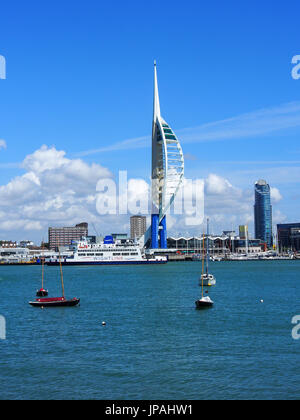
[76, 106]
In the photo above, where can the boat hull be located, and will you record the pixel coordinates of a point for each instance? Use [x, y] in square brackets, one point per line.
[73, 263]
[201, 304]
[55, 304]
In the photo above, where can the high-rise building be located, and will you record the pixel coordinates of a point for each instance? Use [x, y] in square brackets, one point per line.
[63, 236]
[263, 212]
[138, 226]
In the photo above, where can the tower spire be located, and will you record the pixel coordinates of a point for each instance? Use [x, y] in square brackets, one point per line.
[156, 110]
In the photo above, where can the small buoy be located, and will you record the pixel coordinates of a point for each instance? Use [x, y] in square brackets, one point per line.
[261, 301]
[103, 323]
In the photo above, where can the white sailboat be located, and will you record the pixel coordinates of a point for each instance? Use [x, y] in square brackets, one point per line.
[207, 278]
[205, 301]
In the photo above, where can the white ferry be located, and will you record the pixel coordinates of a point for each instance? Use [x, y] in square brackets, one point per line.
[106, 253]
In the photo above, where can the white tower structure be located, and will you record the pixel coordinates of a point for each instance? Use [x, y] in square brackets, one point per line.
[167, 172]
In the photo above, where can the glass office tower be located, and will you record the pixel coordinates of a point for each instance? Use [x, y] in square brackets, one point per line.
[263, 212]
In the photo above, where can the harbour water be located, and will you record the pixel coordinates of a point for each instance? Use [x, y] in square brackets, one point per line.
[155, 344]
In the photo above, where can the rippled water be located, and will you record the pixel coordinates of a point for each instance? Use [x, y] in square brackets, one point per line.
[155, 344]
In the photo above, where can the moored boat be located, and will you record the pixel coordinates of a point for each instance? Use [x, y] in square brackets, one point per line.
[43, 302]
[204, 302]
[54, 302]
[109, 252]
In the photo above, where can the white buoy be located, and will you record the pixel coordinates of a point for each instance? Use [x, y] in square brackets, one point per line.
[261, 301]
[103, 323]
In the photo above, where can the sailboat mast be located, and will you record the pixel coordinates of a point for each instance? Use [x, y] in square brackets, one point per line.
[43, 267]
[207, 244]
[61, 274]
[203, 264]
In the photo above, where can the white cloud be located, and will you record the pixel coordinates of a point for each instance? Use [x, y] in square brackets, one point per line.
[53, 190]
[227, 207]
[252, 124]
[279, 217]
[56, 190]
[2, 144]
[275, 195]
[261, 122]
[217, 185]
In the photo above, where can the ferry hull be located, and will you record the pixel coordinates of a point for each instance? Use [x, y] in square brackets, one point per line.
[76, 263]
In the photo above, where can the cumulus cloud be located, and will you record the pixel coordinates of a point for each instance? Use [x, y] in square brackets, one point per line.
[227, 207]
[2, 144]
[56, 190]
[53, 190]
[216, 185]
[275, 195]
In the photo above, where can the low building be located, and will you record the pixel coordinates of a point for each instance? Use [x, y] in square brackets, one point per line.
[26, 244]
[217, 244]
[289, 236]
[8, 244]
[14, 254]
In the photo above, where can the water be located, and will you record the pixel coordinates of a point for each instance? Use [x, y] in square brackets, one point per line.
[155, 344]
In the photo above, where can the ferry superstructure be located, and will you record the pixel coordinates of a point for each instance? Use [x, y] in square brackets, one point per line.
[106, 253]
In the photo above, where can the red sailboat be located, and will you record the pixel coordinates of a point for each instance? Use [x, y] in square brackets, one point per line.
[43, 302]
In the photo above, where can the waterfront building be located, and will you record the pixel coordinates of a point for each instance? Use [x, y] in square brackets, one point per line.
[289, 236]
[138, 227]
[230, 233]
[263, 212]
[64, 236]
[26, 244]
[13, 254]
[167, 174]
[8, 244]
[217, 245]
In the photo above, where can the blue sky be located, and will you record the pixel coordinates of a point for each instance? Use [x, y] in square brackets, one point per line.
[80, 78]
